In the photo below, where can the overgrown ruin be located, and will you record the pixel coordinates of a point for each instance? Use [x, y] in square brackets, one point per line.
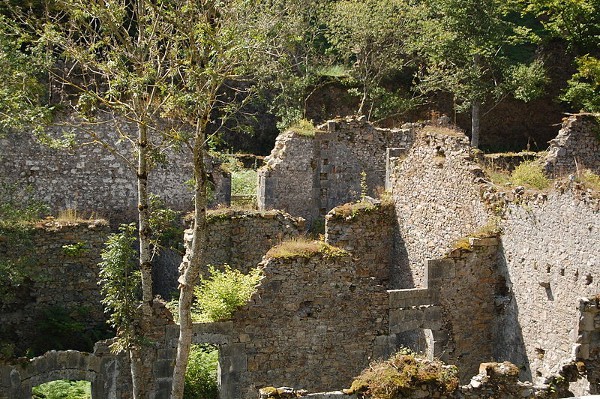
[446, 263]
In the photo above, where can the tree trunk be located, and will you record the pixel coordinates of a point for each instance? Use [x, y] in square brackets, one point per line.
[138, 369]
[191, 265]
[475, 119]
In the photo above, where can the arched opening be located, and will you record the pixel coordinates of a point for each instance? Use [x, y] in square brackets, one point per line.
[63, 389]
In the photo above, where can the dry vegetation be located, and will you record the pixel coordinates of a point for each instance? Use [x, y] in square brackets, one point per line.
[304, 248]
[402, 374]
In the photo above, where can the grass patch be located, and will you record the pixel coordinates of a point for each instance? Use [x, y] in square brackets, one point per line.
[498, 177]
[352, 209]
[589, 179]
[490, 229]
[446, 131]
[304, 248]
[530, 174]
[304, 128]
[402, 374]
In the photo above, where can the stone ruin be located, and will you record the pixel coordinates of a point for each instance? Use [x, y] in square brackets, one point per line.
[94, 181]
[447, 264]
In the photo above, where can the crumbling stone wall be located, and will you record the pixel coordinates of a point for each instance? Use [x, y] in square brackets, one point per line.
[54, 278]
[456, 306]
[550, 257]
[436, 200]
[237, 238]
[587, 349]
[367, 231]
[242, 238]
[90, 179]
[305, 326]
[109, 373]
[308, 176]
[576, 147]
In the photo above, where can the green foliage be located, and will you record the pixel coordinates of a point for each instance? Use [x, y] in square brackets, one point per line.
[22, 93]
[223, 292]
[526, 81]
[120, 281]
[584, 86]
[401, 374]
[530, 174]
[201, 374]
[577, 21]
[63, 389]
[167, 230]
[244, 182]
[367, 38]
[467, 48]
[75, 250]
[59, 328]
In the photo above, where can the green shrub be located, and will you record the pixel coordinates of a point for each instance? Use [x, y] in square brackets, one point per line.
[398, 376]
[63, 389]
[220, 294]
[201, 374]
[530, 174]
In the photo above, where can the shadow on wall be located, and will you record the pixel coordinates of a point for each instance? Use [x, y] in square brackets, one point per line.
[401, 276]
[509, 343]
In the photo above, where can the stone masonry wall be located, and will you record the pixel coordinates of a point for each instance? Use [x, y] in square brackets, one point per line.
[56, 278]
[550, 258]
[90, 179]
[456, 306]
[436, 200]
[317, 318]
[308, 176]
[367, 231]
[312, 324]
[237, 238]
[576, 147]
[242, 238]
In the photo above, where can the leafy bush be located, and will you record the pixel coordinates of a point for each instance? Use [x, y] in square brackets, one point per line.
[399, 375]
[201, 374]
[584, 86]
[530, 173]
[63, 389]
[120, 279]
[219, 295]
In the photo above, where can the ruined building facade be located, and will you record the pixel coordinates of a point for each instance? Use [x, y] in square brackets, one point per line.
[447, 263]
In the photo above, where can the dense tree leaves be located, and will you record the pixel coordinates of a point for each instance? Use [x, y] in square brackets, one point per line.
[465, 47]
